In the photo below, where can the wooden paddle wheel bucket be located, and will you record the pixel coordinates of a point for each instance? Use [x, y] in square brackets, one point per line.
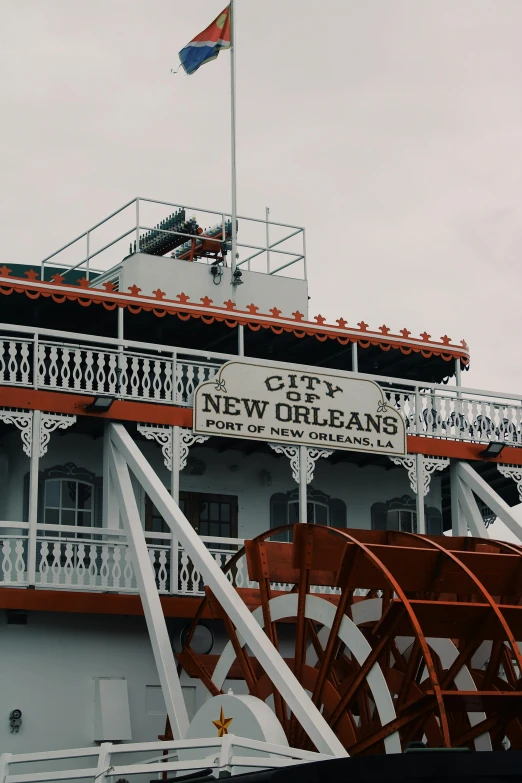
[396, 637]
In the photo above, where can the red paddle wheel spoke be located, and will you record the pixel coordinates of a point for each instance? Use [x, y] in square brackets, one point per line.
[395, 636]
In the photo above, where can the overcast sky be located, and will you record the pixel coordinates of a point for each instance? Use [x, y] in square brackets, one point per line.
[390, 129]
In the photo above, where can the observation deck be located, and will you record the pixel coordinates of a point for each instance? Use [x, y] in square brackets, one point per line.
[189, 251]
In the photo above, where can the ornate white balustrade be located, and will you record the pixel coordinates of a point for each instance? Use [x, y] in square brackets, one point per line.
[157, 374]
[88, 369]
[13, 556]
[91, 563]
[431, 413]
[68, 563]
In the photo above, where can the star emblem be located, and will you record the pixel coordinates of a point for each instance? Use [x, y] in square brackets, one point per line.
[222, 723]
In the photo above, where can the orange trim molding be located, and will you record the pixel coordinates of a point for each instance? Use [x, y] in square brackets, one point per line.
[154, 413]
[122, 410]
[433, 447]
[205, 309]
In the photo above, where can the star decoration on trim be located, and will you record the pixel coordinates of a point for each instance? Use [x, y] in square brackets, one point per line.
[222, 723]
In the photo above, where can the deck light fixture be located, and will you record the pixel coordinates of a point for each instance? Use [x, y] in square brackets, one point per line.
[236, 277]
[100, 404]
[493, 449]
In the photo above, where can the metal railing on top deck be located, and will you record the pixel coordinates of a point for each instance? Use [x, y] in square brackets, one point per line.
[263, 245]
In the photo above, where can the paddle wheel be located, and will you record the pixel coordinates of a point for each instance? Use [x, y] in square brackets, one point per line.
[396, 637]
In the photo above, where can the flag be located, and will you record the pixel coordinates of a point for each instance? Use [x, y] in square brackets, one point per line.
[207, 45]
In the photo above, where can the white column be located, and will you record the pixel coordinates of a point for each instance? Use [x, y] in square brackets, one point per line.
[33, 498]
[303, 483]
[458, 522]
[355, 358]
[419, 497]
[458, 381]
[241, 340]
[174, 491]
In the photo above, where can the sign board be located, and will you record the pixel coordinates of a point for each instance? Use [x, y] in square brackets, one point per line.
[298, 406]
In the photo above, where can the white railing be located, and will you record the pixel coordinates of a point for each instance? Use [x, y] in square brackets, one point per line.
[461, 415]
[47, 359]
[99, 560]
[225, 756]
[263, 245]
[190, 581]
[13, 554]
[131, 375]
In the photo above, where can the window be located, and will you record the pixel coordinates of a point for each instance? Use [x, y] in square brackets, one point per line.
[321, 509]
[401, 514]
[67, 495]
[209, 515]
[68, 502]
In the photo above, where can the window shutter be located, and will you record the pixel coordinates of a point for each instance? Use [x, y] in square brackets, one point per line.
[278, 514]
[337, 513]
[433, 521]
[379, 514]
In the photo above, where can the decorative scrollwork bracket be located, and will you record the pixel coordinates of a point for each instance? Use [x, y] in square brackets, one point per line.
[429, 466]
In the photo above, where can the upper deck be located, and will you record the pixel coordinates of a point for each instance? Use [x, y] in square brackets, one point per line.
[257, 307]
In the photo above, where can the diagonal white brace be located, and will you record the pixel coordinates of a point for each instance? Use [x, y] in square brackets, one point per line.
[492, 499]
[161, 646]
[513, 472]
[471, 511]
[277, 670]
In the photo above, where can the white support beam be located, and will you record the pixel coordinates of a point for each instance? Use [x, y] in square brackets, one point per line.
[111, 514]
[161, 645]
[459, 525]
[491, 498]
[471, 511]
[303, 483]
[34, 469]
[174, 491]
[419, 497]
[273, 664]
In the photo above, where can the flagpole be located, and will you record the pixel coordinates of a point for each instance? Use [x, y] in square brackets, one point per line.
[233, 136]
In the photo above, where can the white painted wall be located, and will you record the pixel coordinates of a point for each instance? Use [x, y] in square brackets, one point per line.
[48, 669]
[229, 472]
[194, 279]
